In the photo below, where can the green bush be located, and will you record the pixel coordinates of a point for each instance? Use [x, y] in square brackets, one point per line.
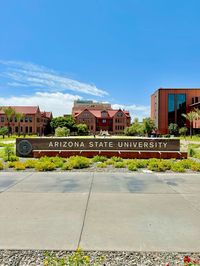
[67, 166]
[99, 158]
[45, 166]
[191, 152]
[79, 162]
[62, 132]
[195, 167]
[141, 163]
[78, 258]
[116, 159]
[19, 166]
[177, 167]
[109, 162]
[132, 166]
[101, 165]
[1, 165]
[30, 163]
[186, 163]
[158, 165]
[8, 152]
[120, 165]
[12, 158]
[58, 161]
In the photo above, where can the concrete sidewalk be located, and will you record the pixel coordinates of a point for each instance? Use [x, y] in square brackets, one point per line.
[100, 211]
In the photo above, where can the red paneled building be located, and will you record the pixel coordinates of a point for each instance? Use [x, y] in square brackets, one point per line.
[33, 121]
[168, 105]
[101, 117]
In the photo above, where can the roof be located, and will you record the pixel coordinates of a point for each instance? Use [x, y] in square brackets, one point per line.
[97, 113]
[47, 114]
[22, 109]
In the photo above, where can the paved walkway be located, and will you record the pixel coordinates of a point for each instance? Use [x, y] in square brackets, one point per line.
[100, 211]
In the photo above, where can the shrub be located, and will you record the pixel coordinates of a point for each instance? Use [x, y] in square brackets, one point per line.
[58, 161]
[109, 162]
[67, 166]
[1, 166]
[116, 159]
[101, 165]
[99, 158]
[12, 158]
[19, 166]
[177, 167]
[191, 152]
[62, 132]
[119, 164]
[45, 166]
[157, 165]
[8, 151]
[79, 162]
[132, 166]
[78, 258]
[30, 163]
[195, 167]
[141, 163]
[186, 163]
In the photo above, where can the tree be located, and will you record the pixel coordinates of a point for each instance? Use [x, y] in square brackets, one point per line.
[82, 129]
[9, 112]
[190, 117]
[148, 125]
[135, 129]
[183, 131]
[173, 129]
[68, 122]
[19, 116]
[3, 131]
[62, 132]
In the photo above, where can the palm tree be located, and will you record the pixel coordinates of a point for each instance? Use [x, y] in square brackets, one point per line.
[19, 116]
[190, 117]
[9, 112]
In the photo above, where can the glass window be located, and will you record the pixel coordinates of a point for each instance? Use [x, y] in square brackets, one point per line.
[171, 108]
[104, 121]
[26, 119]
[2, 119]
[180, 109]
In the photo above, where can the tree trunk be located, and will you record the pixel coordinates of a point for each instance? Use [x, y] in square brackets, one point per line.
[190, 129]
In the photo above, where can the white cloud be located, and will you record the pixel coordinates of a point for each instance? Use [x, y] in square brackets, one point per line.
[59, 103]
[34, 76]
[139, 111]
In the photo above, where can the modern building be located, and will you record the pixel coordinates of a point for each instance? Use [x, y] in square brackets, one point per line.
[101, 117]
[33, 121]
[168, 105]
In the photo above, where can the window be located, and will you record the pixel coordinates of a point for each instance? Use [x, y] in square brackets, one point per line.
[104, 121]
[176, 107]
[16, 129]
[180, 109]
[26, 119]
[30, 119]
[171, 108]
[196, 99]
[104, 114]
[2, 119]
[119, 114]
[30, 130]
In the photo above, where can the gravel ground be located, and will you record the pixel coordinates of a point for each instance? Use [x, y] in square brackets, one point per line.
[36, 258]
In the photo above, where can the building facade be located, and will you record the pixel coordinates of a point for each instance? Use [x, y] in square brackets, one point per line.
[33, 121]
[168, 105]
[101, 117]
[81, 105]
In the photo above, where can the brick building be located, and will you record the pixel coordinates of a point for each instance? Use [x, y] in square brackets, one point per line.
[101, 117]
[168, 105]
[33, 121]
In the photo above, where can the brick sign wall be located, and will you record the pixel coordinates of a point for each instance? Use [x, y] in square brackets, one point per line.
[25, 147]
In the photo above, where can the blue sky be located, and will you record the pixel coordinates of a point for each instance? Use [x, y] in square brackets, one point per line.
[52, 52]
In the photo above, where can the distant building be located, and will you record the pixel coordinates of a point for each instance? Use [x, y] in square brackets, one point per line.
[33, 122]
[168, 105]
[101, 117]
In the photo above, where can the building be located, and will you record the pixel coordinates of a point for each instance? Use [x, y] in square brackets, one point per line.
[33, 121]
[81, 105]
[101, 117]
[168, 105]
